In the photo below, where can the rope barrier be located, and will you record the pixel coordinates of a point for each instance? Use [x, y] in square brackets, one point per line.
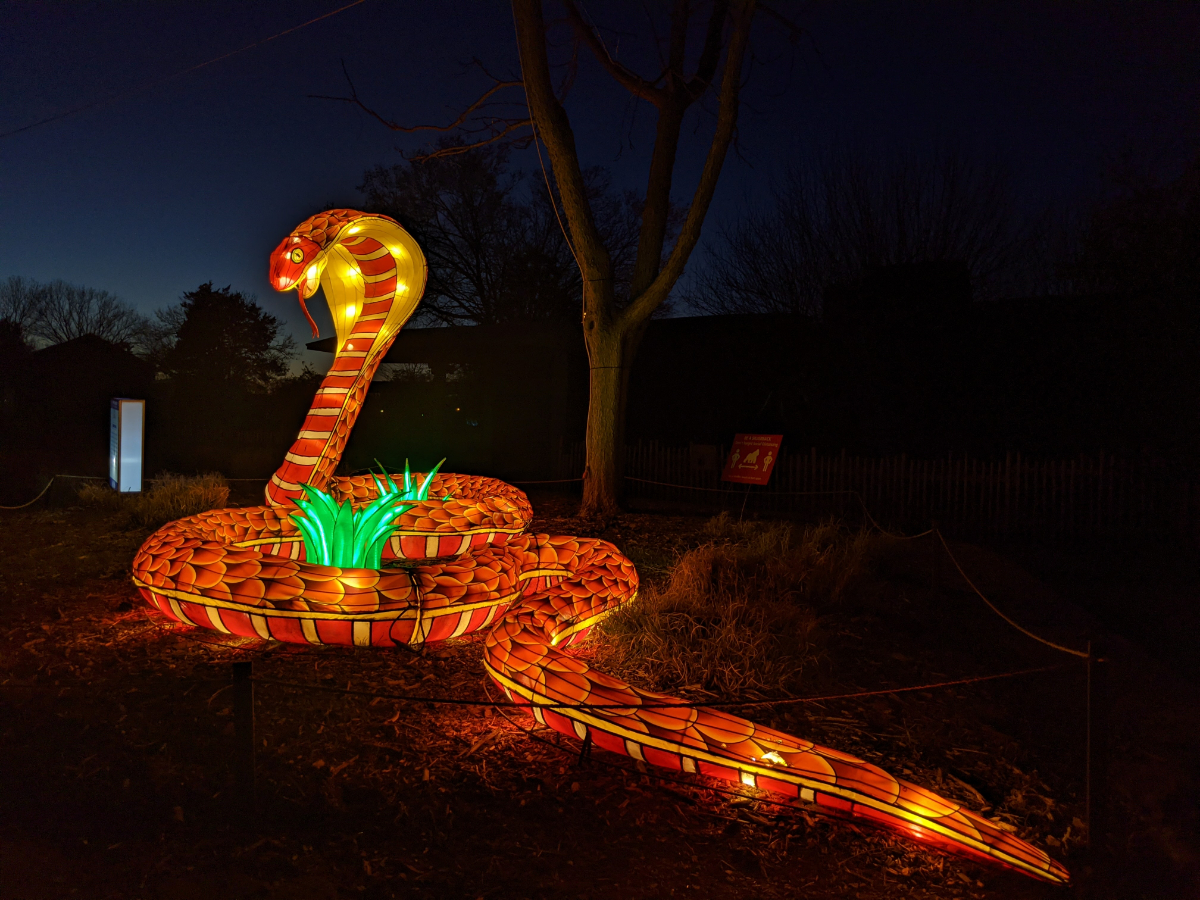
[35, 499]
[554, 481]
[692, 487]
[904, 690]
[867, 512]
[53, 478]
[1025, 631]
[725, 704]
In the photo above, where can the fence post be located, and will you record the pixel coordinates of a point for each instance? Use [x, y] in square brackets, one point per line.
[243, 731]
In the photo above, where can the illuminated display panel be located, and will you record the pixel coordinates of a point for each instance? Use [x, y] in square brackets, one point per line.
[127, 420]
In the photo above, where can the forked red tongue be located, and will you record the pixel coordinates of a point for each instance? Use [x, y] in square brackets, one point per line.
[300, 293]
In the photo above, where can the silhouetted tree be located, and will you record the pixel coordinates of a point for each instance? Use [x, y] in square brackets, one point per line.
[495, 248]
[69, 311]
[55, 312]
[224, 339]
[852, 215]
[20, 306]
[1144, 240]
[467, 213]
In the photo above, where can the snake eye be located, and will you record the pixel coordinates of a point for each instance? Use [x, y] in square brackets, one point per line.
[296, 255]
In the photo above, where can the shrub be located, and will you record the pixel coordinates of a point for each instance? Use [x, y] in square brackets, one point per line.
[170, 497]
[176, 496]
[98, 493]
[736, 615]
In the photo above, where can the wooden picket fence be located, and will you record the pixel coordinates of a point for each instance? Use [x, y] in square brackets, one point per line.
[1016, 495]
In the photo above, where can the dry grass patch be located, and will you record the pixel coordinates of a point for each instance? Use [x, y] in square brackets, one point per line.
[170, 497]
[737, 616]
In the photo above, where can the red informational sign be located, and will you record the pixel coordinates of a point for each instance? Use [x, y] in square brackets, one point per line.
[751, 458]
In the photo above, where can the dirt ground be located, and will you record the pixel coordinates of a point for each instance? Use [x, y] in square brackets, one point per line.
[117, 737]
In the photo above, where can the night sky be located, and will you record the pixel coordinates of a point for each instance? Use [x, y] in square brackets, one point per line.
[198, 178]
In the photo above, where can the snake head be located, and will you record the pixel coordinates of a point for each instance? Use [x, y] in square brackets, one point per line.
[297, 262]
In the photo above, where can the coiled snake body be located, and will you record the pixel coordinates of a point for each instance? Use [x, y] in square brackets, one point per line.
[242, 571]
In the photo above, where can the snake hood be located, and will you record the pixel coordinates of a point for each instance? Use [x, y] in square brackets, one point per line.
[300, 259]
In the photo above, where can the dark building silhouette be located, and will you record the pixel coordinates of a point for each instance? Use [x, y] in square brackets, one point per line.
[902, 361]
[56, 414]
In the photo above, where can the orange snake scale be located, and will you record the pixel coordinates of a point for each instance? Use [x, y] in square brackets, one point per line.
[474, 566]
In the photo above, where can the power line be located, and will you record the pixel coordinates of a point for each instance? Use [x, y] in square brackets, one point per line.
[154, 83]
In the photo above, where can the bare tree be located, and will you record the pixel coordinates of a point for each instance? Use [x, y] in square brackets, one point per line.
[852, 214]
[67, 311]
[1143, 239]
[492, 254]
[491, 236]
[18, 312]
[614, 320]
[20, 305]
[612, 331]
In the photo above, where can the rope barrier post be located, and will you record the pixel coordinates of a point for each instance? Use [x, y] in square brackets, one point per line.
[243, 732]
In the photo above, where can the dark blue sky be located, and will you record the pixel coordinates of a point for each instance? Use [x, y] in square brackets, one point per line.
[199, 178]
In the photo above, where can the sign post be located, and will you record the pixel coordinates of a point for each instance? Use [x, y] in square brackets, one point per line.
[751, 458]
[750, 461]
[127, 426]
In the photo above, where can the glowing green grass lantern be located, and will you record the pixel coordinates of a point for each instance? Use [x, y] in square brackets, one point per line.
[336, 534]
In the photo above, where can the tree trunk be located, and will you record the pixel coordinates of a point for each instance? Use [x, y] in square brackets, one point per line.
[612, 335]
[611, 352]
[602, 480]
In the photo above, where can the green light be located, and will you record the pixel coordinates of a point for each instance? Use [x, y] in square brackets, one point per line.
[336, 534]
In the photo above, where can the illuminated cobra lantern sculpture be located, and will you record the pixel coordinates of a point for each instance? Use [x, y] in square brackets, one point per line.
[244, 571]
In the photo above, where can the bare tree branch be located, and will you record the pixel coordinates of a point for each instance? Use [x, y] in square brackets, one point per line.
[706, 67]
[554, 128]
[66, 311]
[442, 152]
[643, 305]
[794, 30]
[626, 77]
[681, 93]
[612, 328]
[494, 127]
